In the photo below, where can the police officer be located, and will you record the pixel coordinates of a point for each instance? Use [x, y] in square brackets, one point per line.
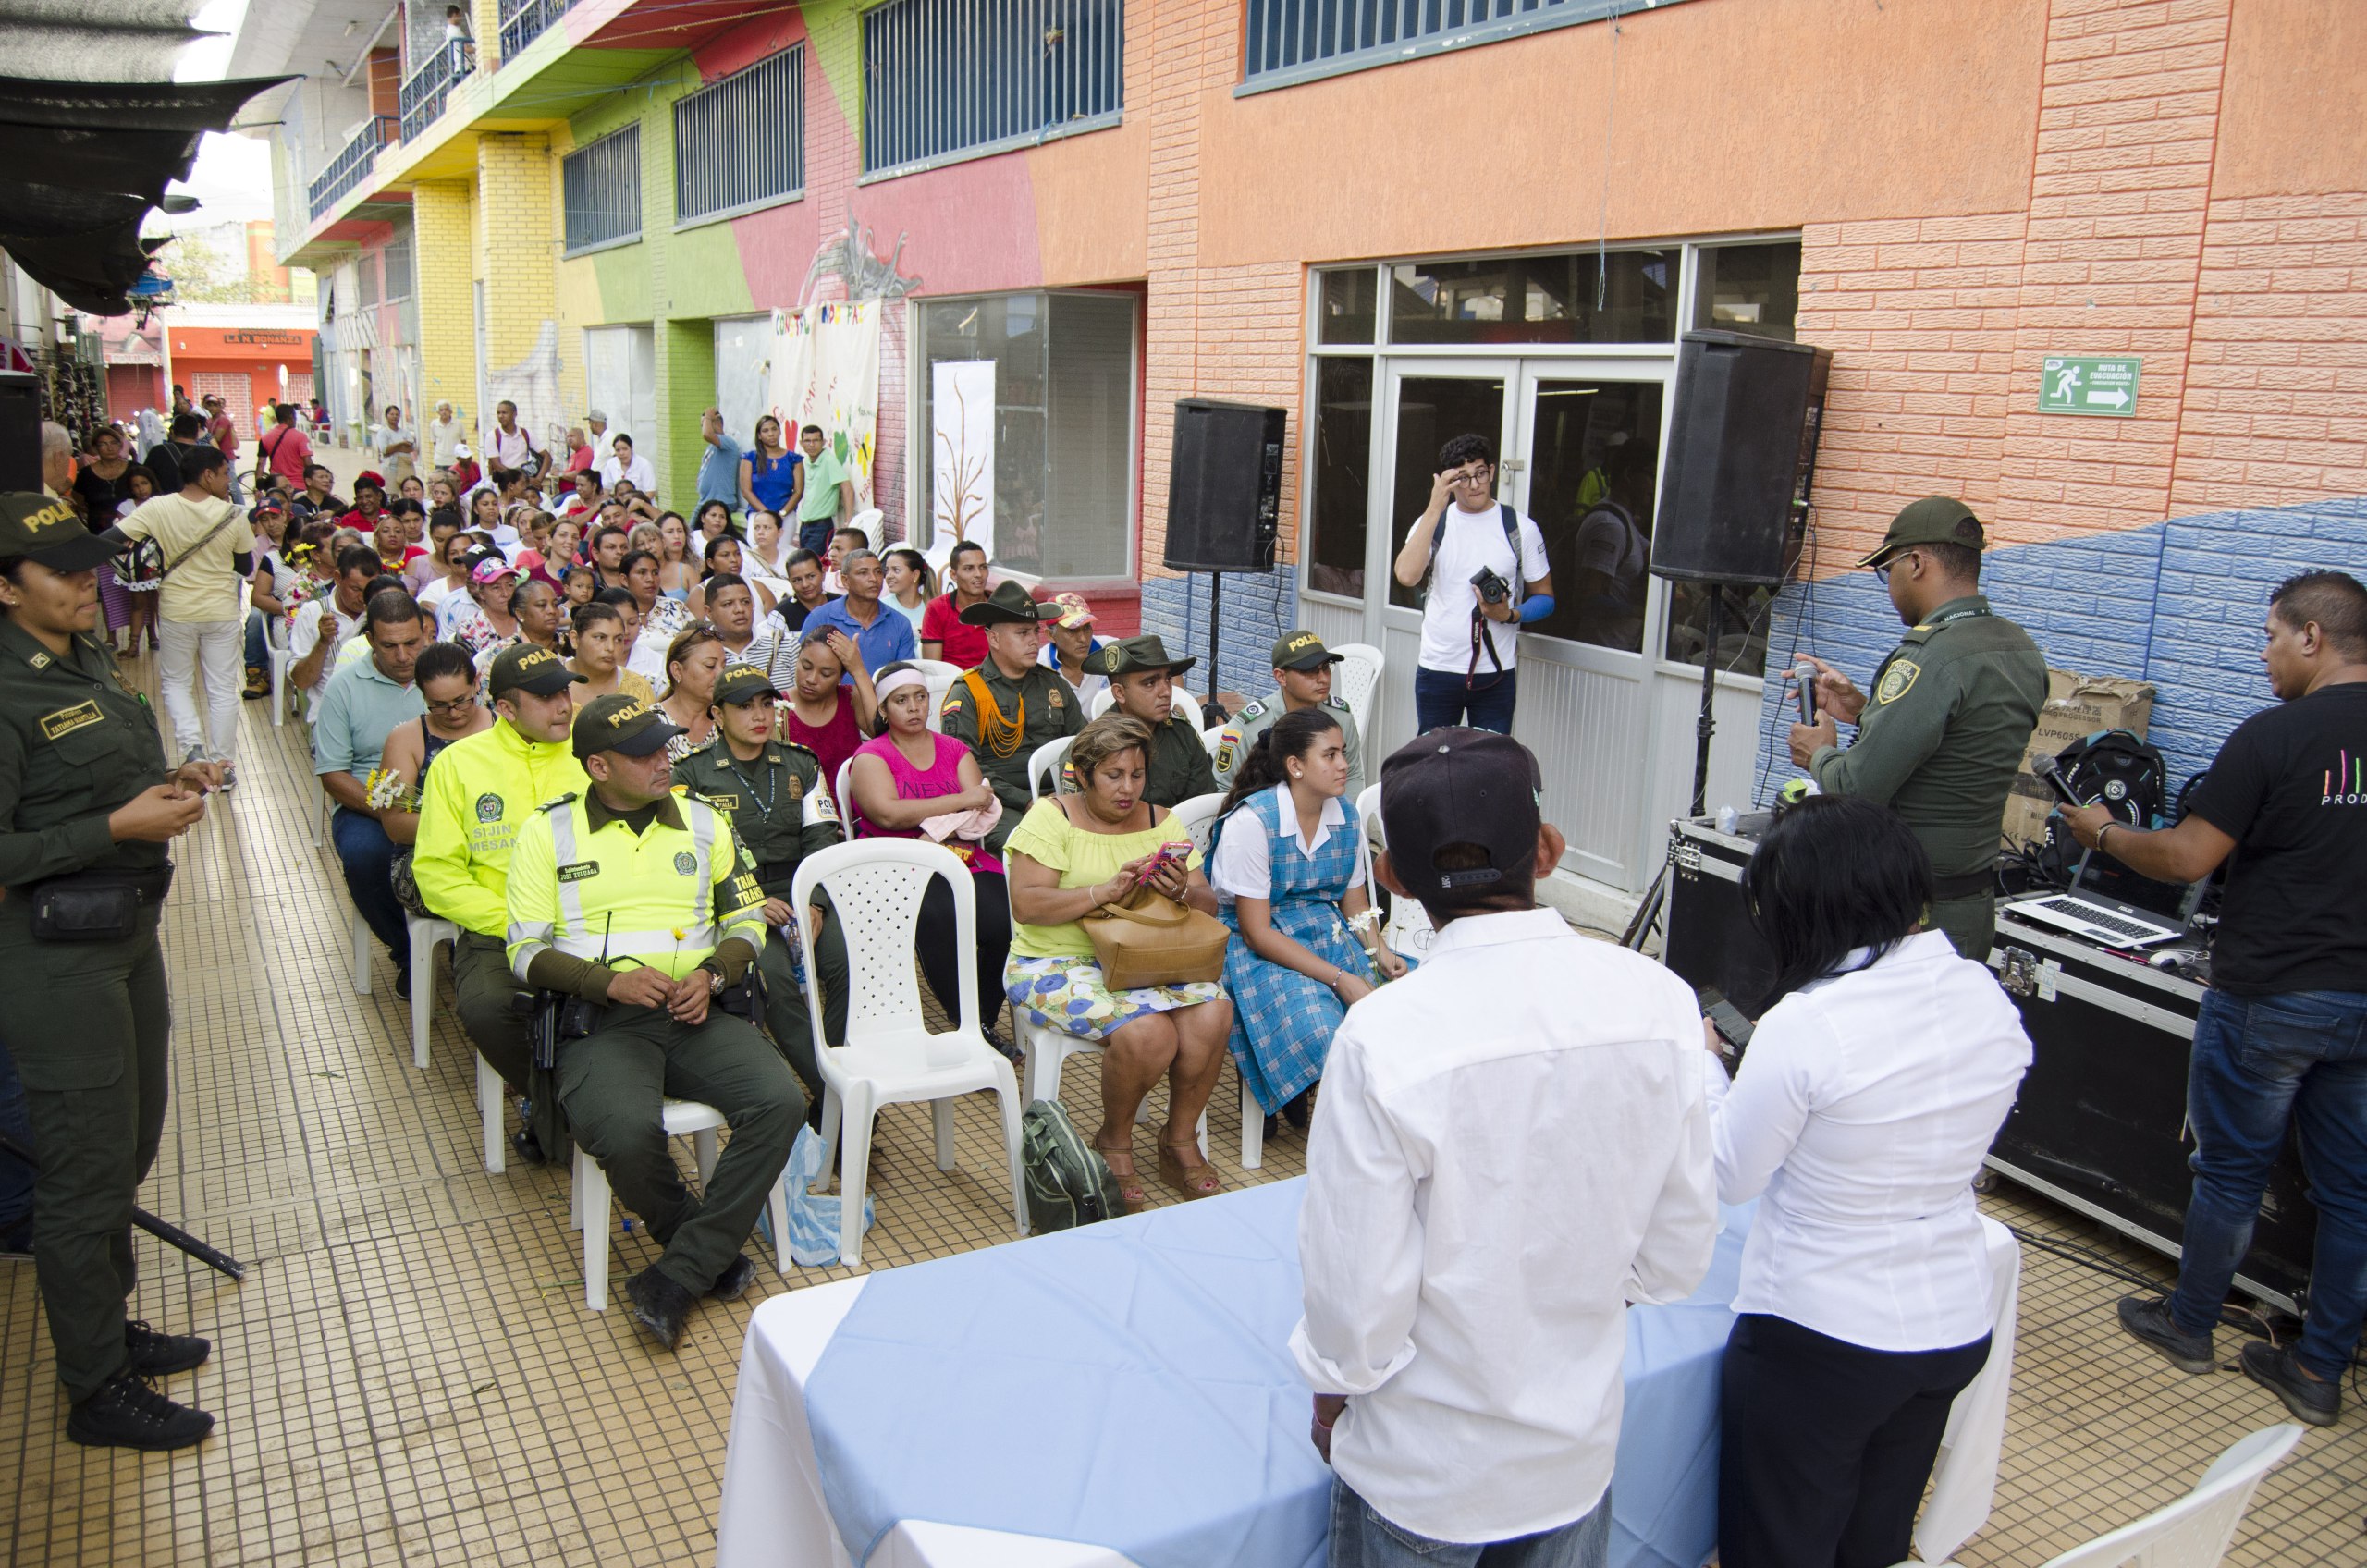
[479, 792]
[87, 806]
[631, 900]
[1142, 685]
[782, 812]
[1010, 704]
[1942, 736]
[1302, 679]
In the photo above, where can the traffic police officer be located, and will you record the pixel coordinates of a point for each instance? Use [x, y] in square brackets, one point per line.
[480, 791]
[1302, 679]
[87, 806]
[781, 812]
[630, 900]
[1010, 704]
[1142, 685]
[1942, 736]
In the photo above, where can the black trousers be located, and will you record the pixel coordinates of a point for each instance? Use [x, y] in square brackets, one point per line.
[940, 960]
[1826, 1446]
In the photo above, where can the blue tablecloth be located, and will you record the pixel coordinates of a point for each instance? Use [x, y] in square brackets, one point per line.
[1130, 1385]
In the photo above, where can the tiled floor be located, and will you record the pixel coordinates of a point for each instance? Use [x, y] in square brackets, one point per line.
[408, 1373]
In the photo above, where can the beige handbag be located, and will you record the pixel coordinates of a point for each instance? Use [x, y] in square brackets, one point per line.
[1148, 939]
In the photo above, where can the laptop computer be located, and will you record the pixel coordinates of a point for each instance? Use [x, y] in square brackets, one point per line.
[2114, 907]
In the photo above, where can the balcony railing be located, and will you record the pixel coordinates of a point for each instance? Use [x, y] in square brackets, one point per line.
[523, 21]
[423, 96]
[351, 164]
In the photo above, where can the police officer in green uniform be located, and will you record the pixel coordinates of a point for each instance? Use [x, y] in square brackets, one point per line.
[1942, 736]
[1302, 679]
[1010, 704]
[87, 806]
[781, 809]
[1142, 685]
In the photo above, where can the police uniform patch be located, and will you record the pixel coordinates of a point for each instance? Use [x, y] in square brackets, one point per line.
[1897, 680]
[686, 863]
[725, 803]
[1227, 745]
[576, 871]
[65, 721]
[745, 893]
[40, 661]
[796, 787]
[488, 807]
[1060, 698]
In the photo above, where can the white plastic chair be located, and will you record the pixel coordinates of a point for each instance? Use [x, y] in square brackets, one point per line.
[2194, 1531]
[1197, 816]
[941, 675]
[425, 935]
[1044, 767]
[589, 1202]
[1356, 680]
[873, 523]
[890, 1056]
[1213, 739]
[491, 1097]
[843, 800]
[358, 939]
[1408, 928]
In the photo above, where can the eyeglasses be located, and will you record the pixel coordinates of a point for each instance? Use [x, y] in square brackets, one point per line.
[1476, 475]
[1883, 569]
[457, 705]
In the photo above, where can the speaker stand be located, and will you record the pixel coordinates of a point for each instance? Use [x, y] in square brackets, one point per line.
[1706, 722]
[1216, 592]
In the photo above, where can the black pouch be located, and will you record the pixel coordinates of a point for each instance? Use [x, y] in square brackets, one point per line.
[94, 906]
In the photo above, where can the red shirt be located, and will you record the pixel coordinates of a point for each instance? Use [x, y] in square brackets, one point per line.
[288, 450]
[226, 438]
[964, 645]
[832, 743]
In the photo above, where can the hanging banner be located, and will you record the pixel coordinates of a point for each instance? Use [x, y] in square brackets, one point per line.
[825, 371]
[962, 446]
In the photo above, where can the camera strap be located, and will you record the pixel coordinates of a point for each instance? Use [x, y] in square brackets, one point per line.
[1480, 639]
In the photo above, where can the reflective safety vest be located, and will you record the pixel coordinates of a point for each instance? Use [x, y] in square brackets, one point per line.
[665, 898]
[480, 794]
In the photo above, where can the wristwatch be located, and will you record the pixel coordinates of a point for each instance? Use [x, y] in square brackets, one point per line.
[713, 980]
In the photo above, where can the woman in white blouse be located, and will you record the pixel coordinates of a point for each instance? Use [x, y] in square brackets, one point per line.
[1859, 1118]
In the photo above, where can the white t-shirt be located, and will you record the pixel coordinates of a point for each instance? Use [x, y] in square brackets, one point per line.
[305, 635]
[1243, 866]
[1467, 541]
[507, 447]
[444, 440]
[643, 477]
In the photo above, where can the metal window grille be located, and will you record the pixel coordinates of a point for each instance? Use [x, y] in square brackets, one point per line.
[603, 190]
[742, 140]
[1308, 36]
[947, 76]
[399, 267]
[523, 21]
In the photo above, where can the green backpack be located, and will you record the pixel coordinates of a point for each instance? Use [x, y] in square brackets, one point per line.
[1068, 1184]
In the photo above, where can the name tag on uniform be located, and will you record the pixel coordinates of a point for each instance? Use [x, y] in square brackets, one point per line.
[576, 871]
[728, 802]
[65, 721]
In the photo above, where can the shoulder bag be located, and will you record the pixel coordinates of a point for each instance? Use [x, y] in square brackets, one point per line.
[1149, 940]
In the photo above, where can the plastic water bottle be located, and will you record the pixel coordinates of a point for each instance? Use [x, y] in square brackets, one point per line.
[796, 949]
[1727, 820]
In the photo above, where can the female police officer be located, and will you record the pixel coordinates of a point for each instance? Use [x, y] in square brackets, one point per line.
[86, 809]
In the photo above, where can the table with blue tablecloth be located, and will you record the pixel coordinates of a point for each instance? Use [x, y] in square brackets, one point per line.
[1123, 1396]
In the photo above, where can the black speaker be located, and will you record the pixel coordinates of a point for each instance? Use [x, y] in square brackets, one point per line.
[1224, 492]
[20, 432]
[1740, 451]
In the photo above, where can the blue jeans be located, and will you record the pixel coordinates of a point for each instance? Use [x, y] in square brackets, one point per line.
[15, 1175]
[815, 536]
[368, 856]
[1440, 699]
[2261, 1063]
[1361, 1539]
[258, 646]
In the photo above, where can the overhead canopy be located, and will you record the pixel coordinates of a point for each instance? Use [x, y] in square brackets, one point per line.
[91, 129]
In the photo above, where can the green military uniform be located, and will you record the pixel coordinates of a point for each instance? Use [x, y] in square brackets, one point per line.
[88, 1021]
[780, 812]
[1022, 714]
[1942, 736]
[1259, 718]
[1178, 766]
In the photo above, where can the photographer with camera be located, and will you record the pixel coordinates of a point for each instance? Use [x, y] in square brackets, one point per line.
[1485, 566]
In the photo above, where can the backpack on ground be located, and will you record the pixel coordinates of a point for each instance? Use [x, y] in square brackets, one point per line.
[1068, 1184]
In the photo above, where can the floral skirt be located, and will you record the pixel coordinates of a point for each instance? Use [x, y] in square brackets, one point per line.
[1067, 994]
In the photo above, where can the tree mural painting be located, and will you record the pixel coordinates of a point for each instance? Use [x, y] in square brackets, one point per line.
[962, 475]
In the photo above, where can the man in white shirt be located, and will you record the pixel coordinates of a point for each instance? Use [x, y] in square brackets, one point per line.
[396, 445]
[322, 626]
[445, 434]
[1489, 1188]
[624, 463]
[206, 554]
[1468, 667]
[596, 422]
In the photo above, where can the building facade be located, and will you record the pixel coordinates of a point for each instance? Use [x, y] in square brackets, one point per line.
[1398, 225]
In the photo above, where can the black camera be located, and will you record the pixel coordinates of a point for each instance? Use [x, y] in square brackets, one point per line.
[1493, 589]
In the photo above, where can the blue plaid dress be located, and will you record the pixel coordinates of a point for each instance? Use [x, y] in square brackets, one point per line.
[1282, 1022]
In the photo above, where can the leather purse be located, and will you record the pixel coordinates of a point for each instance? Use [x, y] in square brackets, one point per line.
[1149, 940]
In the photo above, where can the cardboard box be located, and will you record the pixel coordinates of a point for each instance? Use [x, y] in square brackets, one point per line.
[2076, 706]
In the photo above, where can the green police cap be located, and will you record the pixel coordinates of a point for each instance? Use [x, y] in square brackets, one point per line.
[625, 725]
[1302, 650]
[1008, 604]
[743, 683]
[1132, 655]
[529, 668]
[47, 530]
[1934, 519]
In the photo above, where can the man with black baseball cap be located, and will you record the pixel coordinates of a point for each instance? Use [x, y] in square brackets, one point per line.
[1513, 1146]
[1953, 707]
[1302, 679]
[1142, 685]
[633, 900]
[1010, 704]
[478, 795]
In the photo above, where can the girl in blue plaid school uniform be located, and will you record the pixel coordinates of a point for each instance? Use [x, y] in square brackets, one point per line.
[1289, 875]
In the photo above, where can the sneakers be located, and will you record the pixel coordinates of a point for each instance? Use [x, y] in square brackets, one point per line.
[1008, 1052]
[736, 1276]
[127, 1412]
[258, 684]
[2308, 1398]
[2148, 1318]
[660, 1306]
[1300, 1112]
[402, 980]
[156, 1355]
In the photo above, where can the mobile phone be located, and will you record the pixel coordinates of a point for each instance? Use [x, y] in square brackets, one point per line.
[1805, 676]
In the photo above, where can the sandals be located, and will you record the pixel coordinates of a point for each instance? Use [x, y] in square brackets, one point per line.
[1130, 1181]
[1197, 1181]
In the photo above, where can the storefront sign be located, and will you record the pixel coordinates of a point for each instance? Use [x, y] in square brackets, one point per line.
[2073, 385]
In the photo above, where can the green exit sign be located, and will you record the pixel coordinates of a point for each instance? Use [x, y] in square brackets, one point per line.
[2075, 385]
